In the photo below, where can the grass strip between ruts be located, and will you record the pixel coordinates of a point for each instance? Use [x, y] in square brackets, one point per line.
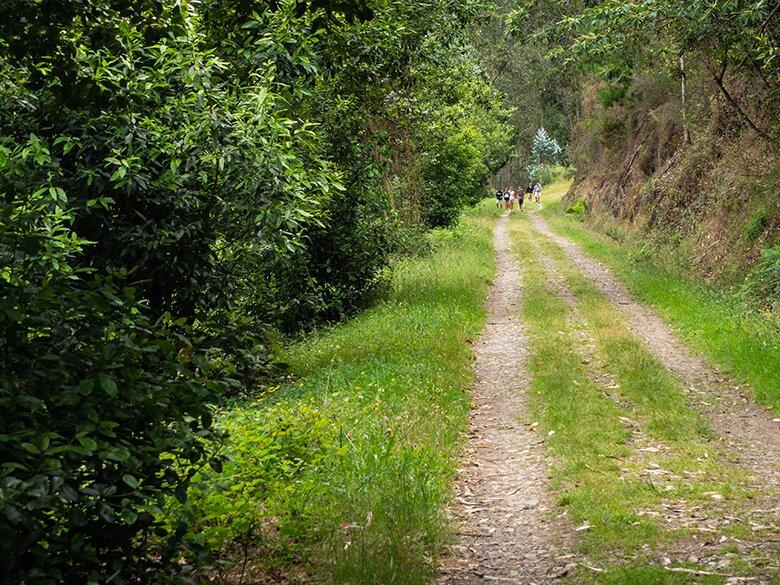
[600, 476]
[714, 322]
[347, 470]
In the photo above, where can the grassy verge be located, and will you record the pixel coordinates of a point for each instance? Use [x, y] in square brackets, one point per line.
[345, 470]
[742, 343]
[625, 441]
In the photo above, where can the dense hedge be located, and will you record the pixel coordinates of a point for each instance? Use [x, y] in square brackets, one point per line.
[178, 180]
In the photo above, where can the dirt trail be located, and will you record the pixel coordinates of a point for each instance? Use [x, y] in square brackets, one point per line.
[742, 426]
[502, 510]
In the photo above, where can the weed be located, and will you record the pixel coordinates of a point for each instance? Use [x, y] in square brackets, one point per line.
[756, 224]
[578, 208]
[763, 283]
[611, 94]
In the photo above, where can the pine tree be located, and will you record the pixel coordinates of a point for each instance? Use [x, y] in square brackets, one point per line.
[545, 149]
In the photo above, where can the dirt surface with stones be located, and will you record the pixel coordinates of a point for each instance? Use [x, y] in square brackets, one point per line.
[505, 529]
[744, 428]
[707, 522]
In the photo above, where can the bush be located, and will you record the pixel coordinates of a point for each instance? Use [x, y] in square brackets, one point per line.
[579, 207]
[763, 283]
[612, 94]
[756, 224]
[545, 174]
[274, 450]
[104, 412]
[133, 189]
[166, 202]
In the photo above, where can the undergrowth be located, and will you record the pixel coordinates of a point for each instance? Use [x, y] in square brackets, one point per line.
[342, 474]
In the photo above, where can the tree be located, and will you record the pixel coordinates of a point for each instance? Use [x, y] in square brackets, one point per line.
[545, 149]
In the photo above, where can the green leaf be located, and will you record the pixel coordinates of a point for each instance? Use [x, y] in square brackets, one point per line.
[87, 443]
[119, 173]
[130, 480]
[108, 384]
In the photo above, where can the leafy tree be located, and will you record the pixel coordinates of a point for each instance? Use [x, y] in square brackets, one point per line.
[613, 38]
[545, 149]
[172, 190]
[132, 188]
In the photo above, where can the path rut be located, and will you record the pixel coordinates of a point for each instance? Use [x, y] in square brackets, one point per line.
[742, 426]
[502, 513]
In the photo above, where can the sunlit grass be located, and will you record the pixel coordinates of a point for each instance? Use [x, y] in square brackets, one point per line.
[605, 396]
[713, 322]
[347, 469]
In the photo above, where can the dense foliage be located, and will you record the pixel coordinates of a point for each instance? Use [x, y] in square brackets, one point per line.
[179, 180]
[541, 88]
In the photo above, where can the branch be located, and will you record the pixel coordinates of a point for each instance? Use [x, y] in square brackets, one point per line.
[760, 29]
[721, 85]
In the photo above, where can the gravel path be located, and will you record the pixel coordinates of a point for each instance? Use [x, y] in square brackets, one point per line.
[743, 427]
[502, 511]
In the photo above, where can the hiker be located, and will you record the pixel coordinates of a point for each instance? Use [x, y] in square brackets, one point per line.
[520, 198]
[499, 198]
[506, 199]
[529, 192]
[511, 200]
[537, 191]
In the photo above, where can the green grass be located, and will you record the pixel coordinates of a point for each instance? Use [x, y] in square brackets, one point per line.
[605, 396]
[715, 323]
[646, 575]
[346, 470]
[589, 438]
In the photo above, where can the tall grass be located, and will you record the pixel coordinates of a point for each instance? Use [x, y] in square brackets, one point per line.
[345, 471]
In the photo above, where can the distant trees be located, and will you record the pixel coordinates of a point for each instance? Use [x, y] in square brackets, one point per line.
[541, 90]
[545, 152]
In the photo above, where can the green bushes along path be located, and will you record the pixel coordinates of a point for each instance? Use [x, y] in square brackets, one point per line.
[347, 468]
[181, 183]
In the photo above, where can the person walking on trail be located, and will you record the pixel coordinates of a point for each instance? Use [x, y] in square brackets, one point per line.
[529, 192]
[511, 200]
[520, 198]
[499, 197]
[537, 192]
[506, 199]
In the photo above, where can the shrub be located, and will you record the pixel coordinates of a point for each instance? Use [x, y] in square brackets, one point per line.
[578, 208]
[104, 412]
[543, 173]
[128, 192]
[763, 283]
[756, 224]
[611, 94]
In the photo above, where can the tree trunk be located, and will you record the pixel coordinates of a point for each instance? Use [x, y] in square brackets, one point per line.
[686, 129]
